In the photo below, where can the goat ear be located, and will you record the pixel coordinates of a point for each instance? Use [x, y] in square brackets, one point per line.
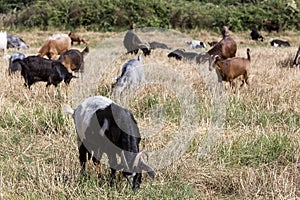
[148, 169]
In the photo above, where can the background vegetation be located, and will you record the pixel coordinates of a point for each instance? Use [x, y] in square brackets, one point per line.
[114, 15]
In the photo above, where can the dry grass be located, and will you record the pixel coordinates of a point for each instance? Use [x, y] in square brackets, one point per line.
[256, 155]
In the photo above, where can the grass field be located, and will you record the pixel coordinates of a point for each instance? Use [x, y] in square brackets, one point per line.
[203, 144]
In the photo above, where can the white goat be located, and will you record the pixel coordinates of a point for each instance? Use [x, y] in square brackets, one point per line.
[3, 42]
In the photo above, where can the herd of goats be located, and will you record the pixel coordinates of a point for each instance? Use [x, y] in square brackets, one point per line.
[103, 126]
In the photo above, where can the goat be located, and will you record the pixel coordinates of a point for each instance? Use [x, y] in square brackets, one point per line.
[13, 65]
[158, 45]
[16, 42]
[180, 54]
[3, 42]
[55, 45]
[272, 26]
[102, 126]
[279, 43]
[194, 44]
[131, 76]
[297, 58]
[255, 35]
[73, 59]
[76, 38]
[213, 43]
[35, 68]
[225, 48]
[133, 43]
[231, 68]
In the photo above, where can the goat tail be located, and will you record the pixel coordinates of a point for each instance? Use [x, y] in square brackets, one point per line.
[248, 54]
[67, 109]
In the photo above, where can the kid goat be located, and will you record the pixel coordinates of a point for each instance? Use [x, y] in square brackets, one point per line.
[231, 68]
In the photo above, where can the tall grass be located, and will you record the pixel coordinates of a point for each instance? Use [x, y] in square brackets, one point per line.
[256, 157]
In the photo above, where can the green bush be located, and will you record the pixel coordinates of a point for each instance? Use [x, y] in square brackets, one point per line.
[114, 15]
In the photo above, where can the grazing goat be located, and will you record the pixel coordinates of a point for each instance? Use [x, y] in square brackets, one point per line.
[16, 42]
[133, 43]
[35, 68]
[76, 38]
[225, 48]
[297, 58]
[13, 64]
[55, 45]
[3, 42]
[279, 43]
[231, 68]
[158, 45]
[73, 59]
[132, 75]
[195, 44]
[255, 35]
[102, 126]
[180, 54]
[272, 26]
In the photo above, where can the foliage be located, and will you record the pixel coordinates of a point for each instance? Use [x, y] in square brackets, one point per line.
[111, 15]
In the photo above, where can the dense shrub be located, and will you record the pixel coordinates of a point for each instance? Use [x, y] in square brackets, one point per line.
[111, 15]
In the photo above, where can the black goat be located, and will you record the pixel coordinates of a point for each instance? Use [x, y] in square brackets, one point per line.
[133, 43]
[158, 45]
[180, 54]
[102, 126]
[35, 68]
[272, 26]
[256, 36]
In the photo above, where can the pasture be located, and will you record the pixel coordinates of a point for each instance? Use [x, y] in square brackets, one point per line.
[254, 153]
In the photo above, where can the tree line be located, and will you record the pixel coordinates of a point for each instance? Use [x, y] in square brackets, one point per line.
[115, 15]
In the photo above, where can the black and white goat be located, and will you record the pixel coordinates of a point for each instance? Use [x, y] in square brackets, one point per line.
[132, 75]
[15, 66]
[279, 43]
[195, 44]
[16, 42]
[102, 126]
[35, 68]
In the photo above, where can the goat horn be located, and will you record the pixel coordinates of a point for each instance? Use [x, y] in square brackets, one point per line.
[138, 158]
[123, 160]
[147, 168]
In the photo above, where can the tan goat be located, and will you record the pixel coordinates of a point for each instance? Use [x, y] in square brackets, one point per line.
[231, 68]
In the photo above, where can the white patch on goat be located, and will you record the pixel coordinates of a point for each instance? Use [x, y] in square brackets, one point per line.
[84, 113]
[104, 127]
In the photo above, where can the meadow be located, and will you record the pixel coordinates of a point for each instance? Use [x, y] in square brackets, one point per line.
[205, 143]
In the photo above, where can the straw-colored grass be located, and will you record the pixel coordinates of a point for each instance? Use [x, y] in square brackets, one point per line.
[203, 143]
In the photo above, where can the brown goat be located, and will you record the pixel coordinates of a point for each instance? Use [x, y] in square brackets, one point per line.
[231, 68]
[55, 45]
[76, 38]
[73, 59]
[225, 48]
